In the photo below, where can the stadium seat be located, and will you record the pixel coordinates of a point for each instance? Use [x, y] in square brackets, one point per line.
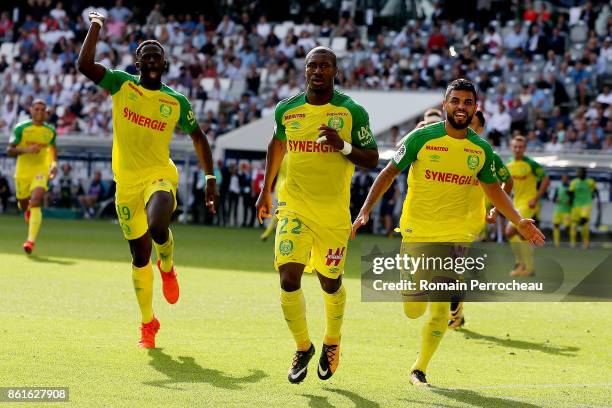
[338, 44]
[7, 49]
[579, 33]
[237, 88]
[208, 84]
[198, 104]
[324, 41]
[225, 83]
[280, 31]
[212, 106]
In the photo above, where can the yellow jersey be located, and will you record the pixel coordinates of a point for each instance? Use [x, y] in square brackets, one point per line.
[318, 181]
[26, 134]
[443, 176]
[503, 174]
[526, 173]
[143, 125]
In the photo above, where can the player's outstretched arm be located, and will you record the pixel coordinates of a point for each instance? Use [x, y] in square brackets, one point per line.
[507, 186]
[274, 158]
[53, 166]
[381, 185]
[85, 63]
[202, 149]
[502, 202]
[367, 158]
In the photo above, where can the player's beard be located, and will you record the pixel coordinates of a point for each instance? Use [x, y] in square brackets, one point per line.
[456, 125]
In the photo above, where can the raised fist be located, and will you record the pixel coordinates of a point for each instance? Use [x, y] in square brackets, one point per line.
[95, 17]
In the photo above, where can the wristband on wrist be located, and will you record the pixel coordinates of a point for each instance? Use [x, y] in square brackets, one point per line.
[97, 21]
[347, 149]
[210, 177]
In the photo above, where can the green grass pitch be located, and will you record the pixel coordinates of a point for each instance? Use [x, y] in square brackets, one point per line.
[68, 317]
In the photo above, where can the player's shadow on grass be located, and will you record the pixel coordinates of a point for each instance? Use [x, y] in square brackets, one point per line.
[44, 259]
[473, 398]
[317, 401]
[186, 370]
[568, 351]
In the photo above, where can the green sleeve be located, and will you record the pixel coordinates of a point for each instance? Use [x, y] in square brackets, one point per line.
[537, 170]
[52, 129]
[113, 79]
[361, 135]
[409, 150]
[502, 172]
[187, 120]
[279, 128]
[487, 173]
[16, 136]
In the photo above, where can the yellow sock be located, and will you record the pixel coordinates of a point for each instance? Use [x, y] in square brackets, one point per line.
[516, 243]
[585, 231]
[294, 309]
[528, 256]
[34, 224]
[143, 286]
[573, 234]
[165, 252]
[432, 333]
[557, 236]
[334, 314]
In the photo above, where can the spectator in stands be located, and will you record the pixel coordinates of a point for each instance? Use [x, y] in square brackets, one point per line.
[95, 194]
[498, 125]
[66, 188]
[5, 193]
[246, 193]
[437, 40]
[233, 194]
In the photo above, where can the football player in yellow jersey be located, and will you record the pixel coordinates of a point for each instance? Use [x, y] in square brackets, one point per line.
[321, 134]
[145, 114]
[581, 191]
[447, 160]
[526, 174]
[33, 143]
[487, 215]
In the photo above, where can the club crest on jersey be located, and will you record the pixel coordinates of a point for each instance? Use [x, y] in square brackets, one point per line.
[132, 96]
[334, 256]
[336, 122]
[295, 125]
[285, 247]
[434, 158]
[473, 161]
[165, 110]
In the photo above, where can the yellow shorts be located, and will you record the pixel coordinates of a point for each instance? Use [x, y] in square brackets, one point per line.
[526, 211]
[25, 185]
[582, 212]
[131, 202]
[561, 218]
[433, 256]
[302, 241]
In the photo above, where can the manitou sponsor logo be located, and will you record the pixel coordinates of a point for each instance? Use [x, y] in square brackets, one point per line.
[437, 148]
[309, 146]
[134, 88]
[334, 257]
[468, 150]
[295, 116]
[169, 102]
[453, 178]
[144, 121]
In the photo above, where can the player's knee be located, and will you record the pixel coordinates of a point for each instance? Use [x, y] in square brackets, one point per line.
[289, 282]
[158, 231]
[414, 310]
[330, 285]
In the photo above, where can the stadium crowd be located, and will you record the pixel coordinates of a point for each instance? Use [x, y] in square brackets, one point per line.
[542, 69]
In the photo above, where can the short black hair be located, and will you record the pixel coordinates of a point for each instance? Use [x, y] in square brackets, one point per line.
[324, 50]
[150, 42]
[461, 84]
[480, 117]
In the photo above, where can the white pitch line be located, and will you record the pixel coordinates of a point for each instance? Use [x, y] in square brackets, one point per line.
[493, 387]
